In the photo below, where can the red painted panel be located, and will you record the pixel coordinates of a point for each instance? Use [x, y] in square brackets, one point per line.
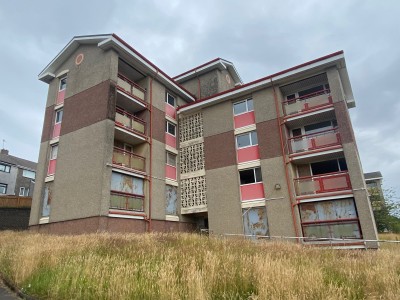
[56, 130]
[248, 154]
[170, 172]
[170, 140]
[252, 191]
[52, 167]
[244, 119]
[60, 97]
[170, 111]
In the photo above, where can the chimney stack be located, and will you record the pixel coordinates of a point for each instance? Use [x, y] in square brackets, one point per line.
[4, 151]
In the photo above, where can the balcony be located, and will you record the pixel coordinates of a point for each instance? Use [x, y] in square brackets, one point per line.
[125, 201]
[132, 89]
[320, 184]
[307, 103]
[314, 141]
[128, 160]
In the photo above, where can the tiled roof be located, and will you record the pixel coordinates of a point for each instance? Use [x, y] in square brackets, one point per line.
[12, 160]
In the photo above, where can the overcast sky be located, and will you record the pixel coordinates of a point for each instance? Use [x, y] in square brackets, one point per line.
[259, 37]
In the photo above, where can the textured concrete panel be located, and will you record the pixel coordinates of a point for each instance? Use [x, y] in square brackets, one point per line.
[41, 173]
[96, 67]
[223, 201]
[363, 204]
[159, 94]
[335, 85]
[97, 103]
[225, 81]
[344, 122]
[218, 118]
[219, 150]
[82, 179]
[278, 203]
[264, 104]
[268, 139]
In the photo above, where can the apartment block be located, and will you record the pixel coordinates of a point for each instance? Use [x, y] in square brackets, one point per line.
[125, 147]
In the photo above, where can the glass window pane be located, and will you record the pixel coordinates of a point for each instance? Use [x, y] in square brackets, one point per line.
[54, 151]
[59, 115]
[63, 83]
[243, 140]
[317, 127]
[171, 159]
[254, 140]
[170, 100]
[246, 176]
[171, 128]
[239, 107]
[3, 188]
[250, 105]
[342, 164]
[258, 174]
[323, 167]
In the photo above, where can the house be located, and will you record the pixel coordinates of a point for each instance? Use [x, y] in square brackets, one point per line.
[17, 175]
[125, 147]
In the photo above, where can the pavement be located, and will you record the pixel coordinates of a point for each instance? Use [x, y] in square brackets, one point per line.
[6, 293]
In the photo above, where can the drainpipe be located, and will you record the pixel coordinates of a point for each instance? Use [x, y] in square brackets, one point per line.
[292, 205]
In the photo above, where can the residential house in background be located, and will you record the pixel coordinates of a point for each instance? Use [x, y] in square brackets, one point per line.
[17, 175]
[125, 147]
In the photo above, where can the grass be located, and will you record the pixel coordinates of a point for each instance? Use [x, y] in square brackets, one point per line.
[185, 266]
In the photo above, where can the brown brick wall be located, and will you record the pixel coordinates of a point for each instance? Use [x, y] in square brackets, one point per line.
[220, 150]
[268, 139]
[158, 125]
[89, 107]
[48, 123]
[344, 122]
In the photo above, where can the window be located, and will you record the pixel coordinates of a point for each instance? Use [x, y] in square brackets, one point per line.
[171, 193]
[4, 168]
[3, 188]
[59, 115]
[329, 166]
[22, 191]
[29, 174]
[250, 176]
[243, 106]
[170, 159]
[170, 128]
[247, 139]
[170, 100]
[63, 83]
[54, 151]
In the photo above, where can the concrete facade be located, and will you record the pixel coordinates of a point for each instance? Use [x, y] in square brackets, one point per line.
[233, 158]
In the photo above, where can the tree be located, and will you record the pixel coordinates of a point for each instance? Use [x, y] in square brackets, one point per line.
[386, 210]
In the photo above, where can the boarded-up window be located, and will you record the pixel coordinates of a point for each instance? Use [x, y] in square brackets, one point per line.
[170, 200]
[126, 184]
[46, 202]
[255, 221]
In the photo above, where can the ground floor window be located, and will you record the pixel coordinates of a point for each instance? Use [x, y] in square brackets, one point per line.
[3, 188]
[171, 200]
[330, 219]
[255, 221]
[127, 192]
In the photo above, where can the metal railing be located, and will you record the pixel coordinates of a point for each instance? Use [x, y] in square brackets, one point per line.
[130, 87]
[307, 102]
[128, 159]
[125, 201]
[325, 183]
[314, 141]
[129, 121]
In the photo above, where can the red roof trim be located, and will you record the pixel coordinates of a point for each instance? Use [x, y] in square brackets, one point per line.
[265, 78]
[198, 67]
[150, 63]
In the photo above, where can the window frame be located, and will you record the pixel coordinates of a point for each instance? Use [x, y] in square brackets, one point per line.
[55, 146]
[167, 99]
[23, 191]
[62, 86]
[246, 101]
[167, 124]
[3, 185]
[34, 174]
[167, 161]
[5, 168]
[57, 115]
[254, 176]
[250, 134]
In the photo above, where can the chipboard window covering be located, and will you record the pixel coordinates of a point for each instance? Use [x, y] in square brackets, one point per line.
[126, 184]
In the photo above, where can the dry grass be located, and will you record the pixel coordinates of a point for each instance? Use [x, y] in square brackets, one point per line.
[184, 266]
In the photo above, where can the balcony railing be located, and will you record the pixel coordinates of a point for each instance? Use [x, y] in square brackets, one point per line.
[128, 159]
[130, 122]
[314, 141]
[130, 87]
[307, 102]
[120, 200]
[325, 183]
